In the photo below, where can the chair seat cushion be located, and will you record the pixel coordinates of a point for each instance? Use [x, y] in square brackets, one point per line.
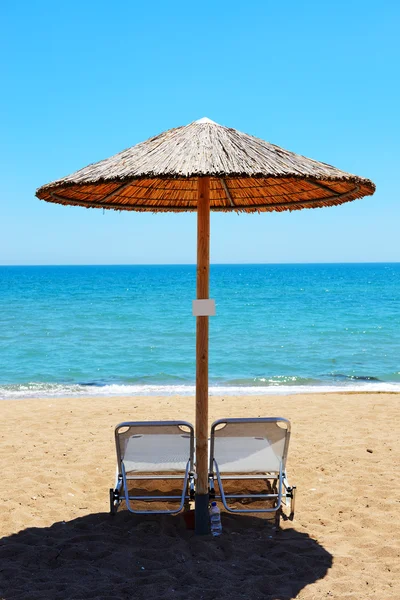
[247, 455]
[156, 453]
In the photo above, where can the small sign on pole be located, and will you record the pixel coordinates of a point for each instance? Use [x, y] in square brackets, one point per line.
[204, 308]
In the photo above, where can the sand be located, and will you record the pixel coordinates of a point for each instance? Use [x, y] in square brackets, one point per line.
[58, 541]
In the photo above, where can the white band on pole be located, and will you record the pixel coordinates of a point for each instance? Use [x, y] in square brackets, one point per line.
[203, 308]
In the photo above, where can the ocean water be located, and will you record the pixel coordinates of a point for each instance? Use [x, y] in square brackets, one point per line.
[103, 330]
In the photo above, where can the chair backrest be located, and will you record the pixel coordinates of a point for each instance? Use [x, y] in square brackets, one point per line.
[155, 446]
[251, 445]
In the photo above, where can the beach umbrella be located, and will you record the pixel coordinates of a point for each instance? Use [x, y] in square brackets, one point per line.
[201, 167]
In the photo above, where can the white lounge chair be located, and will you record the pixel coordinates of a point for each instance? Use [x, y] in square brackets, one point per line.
[252, 449]
[153, 450]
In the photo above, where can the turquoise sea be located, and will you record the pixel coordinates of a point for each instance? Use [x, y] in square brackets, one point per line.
[102, 330]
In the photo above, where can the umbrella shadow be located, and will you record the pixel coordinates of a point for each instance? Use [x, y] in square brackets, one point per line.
[130, 556]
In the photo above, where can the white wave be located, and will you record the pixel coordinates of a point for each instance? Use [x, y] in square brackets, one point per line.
[40, 390]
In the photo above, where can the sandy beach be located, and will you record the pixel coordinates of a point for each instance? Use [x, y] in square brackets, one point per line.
[58, 541]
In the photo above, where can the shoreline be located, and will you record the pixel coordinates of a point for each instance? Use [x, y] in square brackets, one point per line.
[117, 391]
[191, 397]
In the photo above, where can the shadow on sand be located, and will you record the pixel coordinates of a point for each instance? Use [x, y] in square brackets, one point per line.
[121, 557]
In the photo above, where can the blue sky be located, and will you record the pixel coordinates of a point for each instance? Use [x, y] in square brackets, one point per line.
[84, 80]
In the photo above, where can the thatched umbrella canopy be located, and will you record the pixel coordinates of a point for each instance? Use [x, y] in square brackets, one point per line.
[246, 174]
[201, 167]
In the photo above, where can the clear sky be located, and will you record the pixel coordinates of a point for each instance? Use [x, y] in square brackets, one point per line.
[83, 80]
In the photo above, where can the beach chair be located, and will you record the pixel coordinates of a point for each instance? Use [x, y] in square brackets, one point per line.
[153, 450]
[242, 449]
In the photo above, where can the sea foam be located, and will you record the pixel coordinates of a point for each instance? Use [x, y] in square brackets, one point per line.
[45, 390]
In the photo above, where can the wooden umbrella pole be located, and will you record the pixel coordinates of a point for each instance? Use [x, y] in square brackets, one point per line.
[203, 277]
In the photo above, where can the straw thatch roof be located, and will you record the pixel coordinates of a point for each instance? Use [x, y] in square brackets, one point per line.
[246, 174]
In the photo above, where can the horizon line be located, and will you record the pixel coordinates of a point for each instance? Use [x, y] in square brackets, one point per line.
[193, 264]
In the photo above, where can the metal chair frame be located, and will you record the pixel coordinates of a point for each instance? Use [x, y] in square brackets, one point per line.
[120, 492]
[285, 493]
